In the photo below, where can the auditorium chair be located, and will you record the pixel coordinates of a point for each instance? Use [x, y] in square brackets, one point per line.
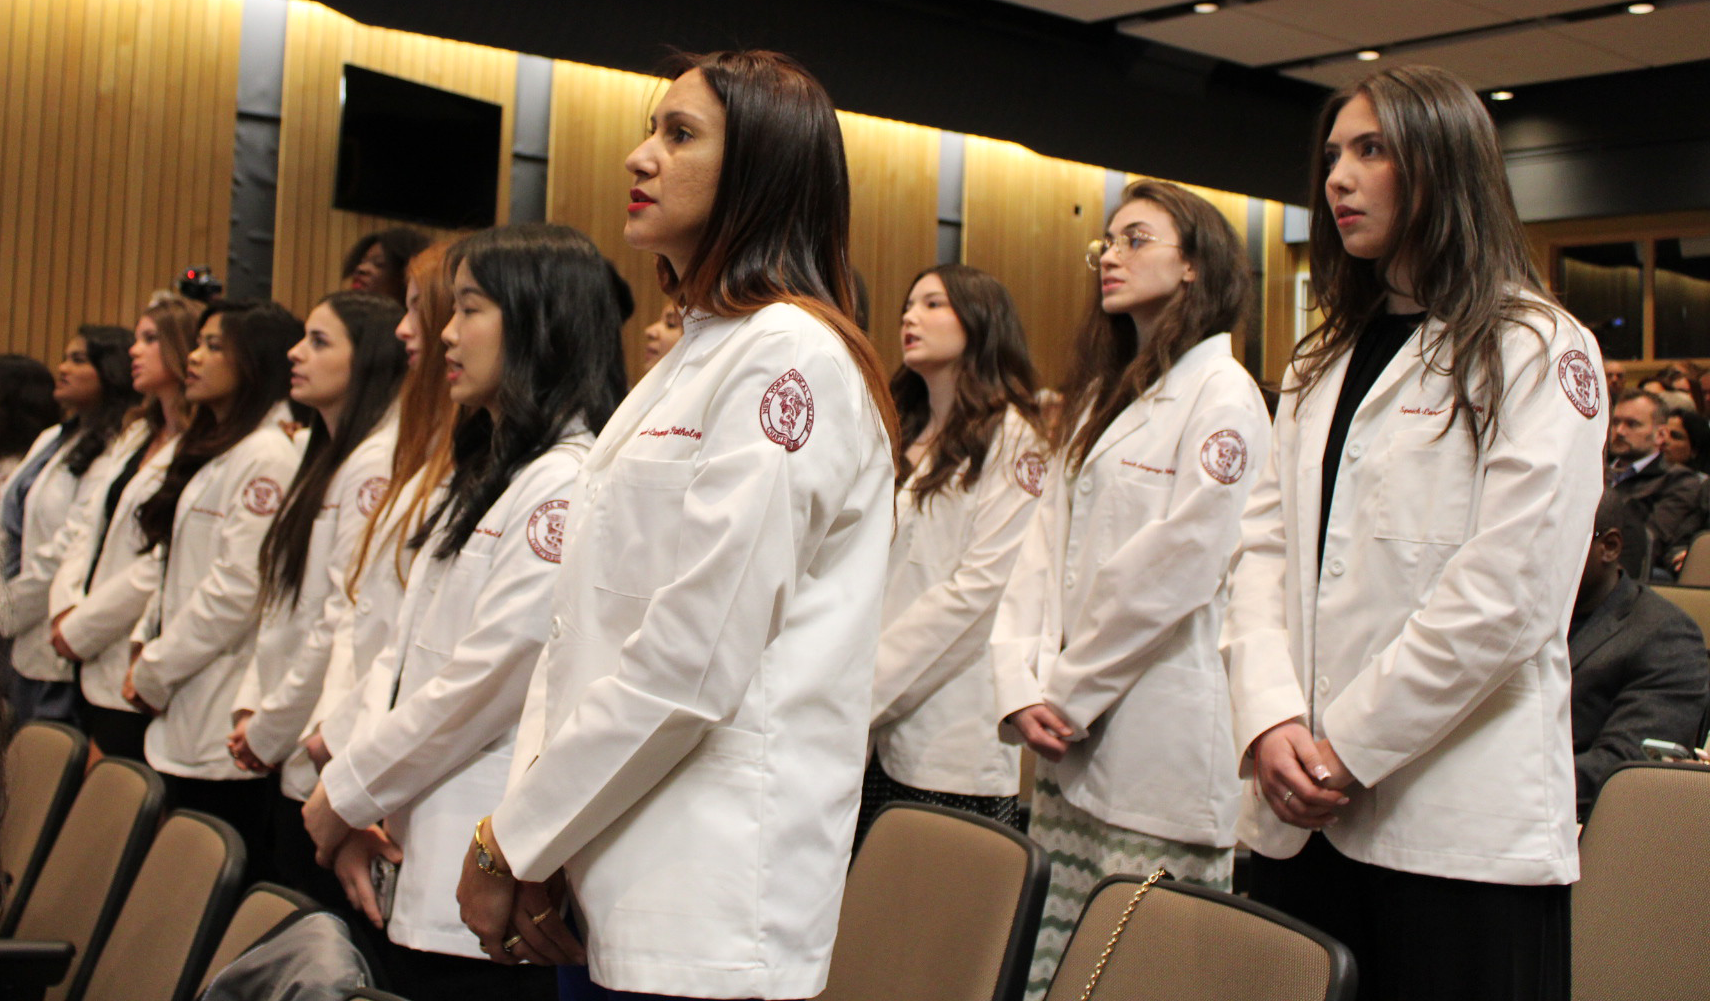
[941, 905]
[44, 766]
[262, 909]
[1642, 902]
[1187, 943]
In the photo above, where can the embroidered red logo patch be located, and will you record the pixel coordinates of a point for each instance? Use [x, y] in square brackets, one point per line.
[786, 411]
[546, 530]
[1224, 456]
[1579, 381]
[262, 496]
[1030, 472]
[368, 495]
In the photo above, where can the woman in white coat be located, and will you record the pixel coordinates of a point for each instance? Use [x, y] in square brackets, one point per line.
[106, 578]
[1398, 628]
[1105, 647]
[696, 730]
[971, 476]
[420, 446]
[39, 512]
[534, 350]
[346, 369]
[214, 505]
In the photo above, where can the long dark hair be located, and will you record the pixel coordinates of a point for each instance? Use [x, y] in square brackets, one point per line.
[397, 245]
[377, 364]
[779, 227]
[26, 403]
[1112, 366]
[993, 375]
[109, 350]
[256, 334]
[563, 307]
[1457, 234]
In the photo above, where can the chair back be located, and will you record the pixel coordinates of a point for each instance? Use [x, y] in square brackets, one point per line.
[373, 994]
[44, 765]
[941, 905]
[1639, 864]
[173, 916]
[93, 861]
[1185, 943]
[1695, 572]
[261, 910]
[1694, 601]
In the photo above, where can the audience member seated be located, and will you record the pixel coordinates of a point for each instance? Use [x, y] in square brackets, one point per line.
[1664, 496]
[1639, 665]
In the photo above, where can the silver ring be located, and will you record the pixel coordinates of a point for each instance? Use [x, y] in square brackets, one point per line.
[1287, 795]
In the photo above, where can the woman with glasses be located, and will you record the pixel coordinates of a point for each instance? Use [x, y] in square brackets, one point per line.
[1105, 646]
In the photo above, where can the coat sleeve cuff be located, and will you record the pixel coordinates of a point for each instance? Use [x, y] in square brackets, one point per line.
[348, 797]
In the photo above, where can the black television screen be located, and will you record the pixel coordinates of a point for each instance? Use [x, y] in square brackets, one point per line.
[409, 151]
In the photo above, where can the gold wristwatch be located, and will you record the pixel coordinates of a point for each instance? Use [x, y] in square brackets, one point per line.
[484, 857]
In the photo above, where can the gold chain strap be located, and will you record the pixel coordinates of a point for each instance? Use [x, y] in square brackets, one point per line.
[1116, 935]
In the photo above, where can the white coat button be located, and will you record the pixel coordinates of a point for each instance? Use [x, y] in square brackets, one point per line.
[1069, 580]
[1355, 450]
[1323, 686]
[557, 627]
[1336, 568]
[1086, 486]
[365, 606]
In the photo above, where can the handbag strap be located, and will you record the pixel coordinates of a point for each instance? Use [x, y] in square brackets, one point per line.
[1116, 934]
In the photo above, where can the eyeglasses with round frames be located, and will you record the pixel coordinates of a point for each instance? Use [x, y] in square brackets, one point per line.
[1126, 245]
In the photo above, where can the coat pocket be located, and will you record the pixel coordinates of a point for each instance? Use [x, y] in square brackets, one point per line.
[637, 520]
[1426, 489]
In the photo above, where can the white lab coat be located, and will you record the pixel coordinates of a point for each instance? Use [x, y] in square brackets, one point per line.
[104, 604]
[694, 739]
[199, 630]
[283, 682]
[1441, 674]
[442, 702]
[368, 623]
[1112, 614]
[50, 506]
[932, 690]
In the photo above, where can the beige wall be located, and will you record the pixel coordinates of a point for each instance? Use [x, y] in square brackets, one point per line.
[116, 134]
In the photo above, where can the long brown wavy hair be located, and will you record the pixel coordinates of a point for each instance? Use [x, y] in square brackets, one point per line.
[1112, 366]
[779, 228]
[1459, 239]
[995, 374]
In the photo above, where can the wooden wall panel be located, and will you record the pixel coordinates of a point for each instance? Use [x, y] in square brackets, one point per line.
[893, 230]
[115, 157]
[1027, 219]
[598, 116]
[311, 236]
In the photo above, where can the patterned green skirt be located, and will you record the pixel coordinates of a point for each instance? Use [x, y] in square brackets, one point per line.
[1084, 850]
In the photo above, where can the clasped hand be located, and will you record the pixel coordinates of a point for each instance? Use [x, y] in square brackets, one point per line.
[1302, 779]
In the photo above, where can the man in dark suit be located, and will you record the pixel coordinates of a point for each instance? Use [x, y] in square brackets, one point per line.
[1657, 493]
[1639, 665]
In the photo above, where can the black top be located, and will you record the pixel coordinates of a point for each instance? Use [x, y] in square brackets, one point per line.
[1373, 350]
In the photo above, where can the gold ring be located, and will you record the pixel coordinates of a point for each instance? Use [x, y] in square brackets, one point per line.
[1287, 795]
[538, 918]
[508, 943]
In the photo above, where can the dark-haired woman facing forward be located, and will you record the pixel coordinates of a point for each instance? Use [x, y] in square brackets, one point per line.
[1398, 628]
[693, 742]
[534, 352]
[969, 481]
[1105, 647]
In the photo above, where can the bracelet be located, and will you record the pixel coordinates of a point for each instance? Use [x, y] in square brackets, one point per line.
[484, 857]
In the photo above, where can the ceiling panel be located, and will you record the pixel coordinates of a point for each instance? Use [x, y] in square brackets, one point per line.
[1365, 23]
[1511, 59]
[1238, 35]
[1521, 10]
[1094, 10]
[1670, 35]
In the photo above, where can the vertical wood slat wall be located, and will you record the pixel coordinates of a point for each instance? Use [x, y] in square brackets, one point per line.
[311, 237]
[116, 136]
[1027, 219]
[599, 115]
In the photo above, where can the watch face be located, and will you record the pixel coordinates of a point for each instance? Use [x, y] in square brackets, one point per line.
[483, 859]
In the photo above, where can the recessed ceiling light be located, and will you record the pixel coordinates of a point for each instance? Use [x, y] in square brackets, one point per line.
[1205, 8]
[1367, 55]
[1502, 95]
[1641, 8]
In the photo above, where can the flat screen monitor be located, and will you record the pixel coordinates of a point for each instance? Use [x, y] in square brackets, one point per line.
[418, 153]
